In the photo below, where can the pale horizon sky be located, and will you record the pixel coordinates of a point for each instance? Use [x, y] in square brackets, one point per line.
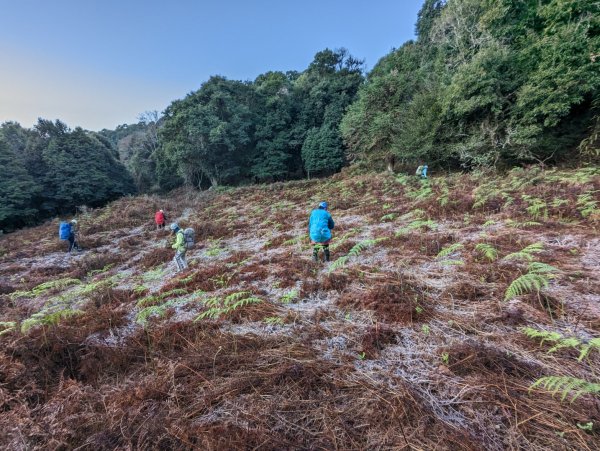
[98, 64]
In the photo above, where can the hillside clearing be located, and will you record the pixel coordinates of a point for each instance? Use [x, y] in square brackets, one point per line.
[413, 340]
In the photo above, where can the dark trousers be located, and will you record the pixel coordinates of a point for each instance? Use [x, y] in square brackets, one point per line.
[318, 247]
[72, 243]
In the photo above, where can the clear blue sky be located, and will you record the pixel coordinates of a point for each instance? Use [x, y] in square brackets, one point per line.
[97, 64]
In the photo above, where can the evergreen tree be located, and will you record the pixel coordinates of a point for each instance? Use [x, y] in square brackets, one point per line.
[17, 190]
[208, 133]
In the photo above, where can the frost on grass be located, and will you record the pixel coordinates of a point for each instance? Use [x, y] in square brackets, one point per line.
[407, 342]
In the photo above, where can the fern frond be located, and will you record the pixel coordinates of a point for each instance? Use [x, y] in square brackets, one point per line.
[354, 252]
[234, 297]
[217, 308]
[289, 297]
[339, 263]
[566, 385]
[7, 326]
[594, 343]
[526, 253]
[570, 342]
[449, 262]
[359, 247]
[416, 225]
[449, 250]
[339, 241]
[528, 224]
[583, 346]
[243, 303]
[388, 217]
[45, 318]
[586, 204]
[274, 321]
[211, 313]
[292, 241]
[558, 202]
[488, 251]
[527, 283]
[541, 268]
[44, 287]
[161, 309]
[543, 334]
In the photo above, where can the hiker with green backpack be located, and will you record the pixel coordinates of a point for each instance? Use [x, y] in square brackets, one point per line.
[184, 240]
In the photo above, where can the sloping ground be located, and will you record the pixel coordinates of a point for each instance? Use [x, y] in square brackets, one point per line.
[446, 300]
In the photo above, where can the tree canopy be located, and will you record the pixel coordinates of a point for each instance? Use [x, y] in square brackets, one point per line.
[51, 170]
[486, 83]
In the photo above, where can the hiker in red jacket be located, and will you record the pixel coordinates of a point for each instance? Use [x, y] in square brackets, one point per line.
[160, 219]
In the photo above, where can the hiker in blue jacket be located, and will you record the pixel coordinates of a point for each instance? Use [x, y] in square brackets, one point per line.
[320, 225]
[67, 232]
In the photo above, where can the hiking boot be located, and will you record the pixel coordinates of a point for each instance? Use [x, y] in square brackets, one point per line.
[326, 252]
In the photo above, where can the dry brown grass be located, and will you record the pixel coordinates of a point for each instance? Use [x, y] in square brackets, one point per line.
[394, 350]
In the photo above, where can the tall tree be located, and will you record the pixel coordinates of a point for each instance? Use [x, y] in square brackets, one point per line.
[17, 190]
[209, 131]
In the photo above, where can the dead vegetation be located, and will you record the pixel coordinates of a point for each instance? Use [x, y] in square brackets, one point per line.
[412, 338]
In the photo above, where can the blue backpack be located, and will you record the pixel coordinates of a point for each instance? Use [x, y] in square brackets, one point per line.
[64, 230]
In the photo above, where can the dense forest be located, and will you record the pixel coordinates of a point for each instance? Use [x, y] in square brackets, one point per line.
[486, 83]
[50, 170]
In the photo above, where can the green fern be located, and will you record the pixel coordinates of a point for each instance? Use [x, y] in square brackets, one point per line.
[526, 253]
[274, 321]
[339, 263]
[537, 207]
[44, 287]
[417, 225]
[586, 347]
[235, 301]
[444, 197]
[583, 346]
[388, 217]
[154, 274]
[354, 252]
[7, 327]
[558, 202]
[488, 251]
[161, 309]
[47, 318]
[566, 385]
[527, 283]
[337, 242]
[541, 268]
[424, 192]
[488, 223]
[360, 247]
[292, 241]
[543, 334]
[586, 204]
[451, 262]
[445, 252]
[289, 297]
[157, 298]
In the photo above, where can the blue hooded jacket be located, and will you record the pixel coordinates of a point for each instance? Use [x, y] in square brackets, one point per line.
[320, 225]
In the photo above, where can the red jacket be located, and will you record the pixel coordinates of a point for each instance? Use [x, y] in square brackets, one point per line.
[159, 217]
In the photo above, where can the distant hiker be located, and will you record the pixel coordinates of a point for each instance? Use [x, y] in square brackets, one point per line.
[179, 246]
[320, 225]
[160, 218]
[422, 171]
[66, 232]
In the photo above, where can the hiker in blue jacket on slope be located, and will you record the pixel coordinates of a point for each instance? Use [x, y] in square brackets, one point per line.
[320, 225]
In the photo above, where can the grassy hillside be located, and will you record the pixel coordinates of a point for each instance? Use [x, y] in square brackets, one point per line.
[445, 301]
